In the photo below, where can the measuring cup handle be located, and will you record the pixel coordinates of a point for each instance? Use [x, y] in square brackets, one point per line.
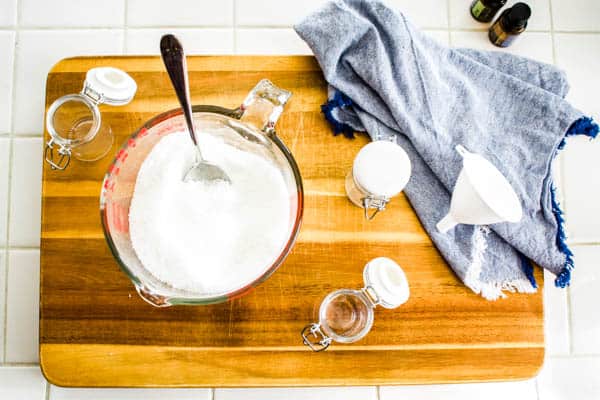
[263, 105]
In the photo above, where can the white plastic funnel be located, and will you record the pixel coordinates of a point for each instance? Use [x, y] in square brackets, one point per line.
[481, 196]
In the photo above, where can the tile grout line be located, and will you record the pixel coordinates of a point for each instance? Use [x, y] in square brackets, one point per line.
[561, 163]
[589, 243]
[26, 135]
[234, 21]
[11, 146]
[569, 321]
[19, 247]
[449, 18]
[6, 250]
[563, 191]
[4, 317]
[125, 27]
[21, 364]
[575, 356]
[47, 393]
[378, 392]
[261, 27]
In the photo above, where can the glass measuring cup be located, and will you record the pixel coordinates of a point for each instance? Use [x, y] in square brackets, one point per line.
[249, 128]
[74, 121]
[346, 315]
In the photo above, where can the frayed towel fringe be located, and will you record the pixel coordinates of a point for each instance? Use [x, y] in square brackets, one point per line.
[339, 100]
[587, 127]
[494, 290]
[583, 126]
[527, 268]
[472, 276]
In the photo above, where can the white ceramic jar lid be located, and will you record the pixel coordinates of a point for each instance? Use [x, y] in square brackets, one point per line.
[110, 85]
[387, 279]
[382, 168]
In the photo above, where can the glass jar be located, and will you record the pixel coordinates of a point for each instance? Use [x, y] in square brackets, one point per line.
[249, 128]
[380, 171]
[74, 121]
[346, 316]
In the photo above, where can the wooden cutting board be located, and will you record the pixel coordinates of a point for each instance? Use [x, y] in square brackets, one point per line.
[96, 331]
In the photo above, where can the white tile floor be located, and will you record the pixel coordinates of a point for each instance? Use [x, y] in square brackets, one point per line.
[57, 393]
[487, 391]
[201, 41]
[36, 52]
[7, 45]
[22, 310]
[34, 34]
[4, 170]
[25, 193]
[8, 17]
[90, 13]
[22, 383]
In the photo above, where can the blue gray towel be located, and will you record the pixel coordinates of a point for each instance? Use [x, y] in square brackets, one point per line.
[395, 83]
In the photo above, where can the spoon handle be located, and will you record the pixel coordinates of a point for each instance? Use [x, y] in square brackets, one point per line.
[174, 59]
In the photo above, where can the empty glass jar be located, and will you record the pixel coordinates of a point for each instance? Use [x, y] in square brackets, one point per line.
[380, 171]
[346, 315]
[74, 121]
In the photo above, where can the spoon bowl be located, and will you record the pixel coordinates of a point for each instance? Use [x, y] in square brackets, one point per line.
[205, 171]
[173, 56]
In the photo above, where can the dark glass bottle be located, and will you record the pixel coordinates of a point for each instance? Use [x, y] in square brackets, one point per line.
[511, 23]
[485, 10]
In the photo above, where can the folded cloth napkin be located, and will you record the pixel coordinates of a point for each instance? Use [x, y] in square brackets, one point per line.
[395, 83]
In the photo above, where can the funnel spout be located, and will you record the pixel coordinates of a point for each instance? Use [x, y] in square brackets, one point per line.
[446, 223]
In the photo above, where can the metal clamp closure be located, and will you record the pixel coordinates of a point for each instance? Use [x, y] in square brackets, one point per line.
[313, 337]
[63, 159]
[93, 95]
[378, 203]
[371, 294]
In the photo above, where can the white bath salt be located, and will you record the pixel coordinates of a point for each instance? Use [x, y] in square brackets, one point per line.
[208, 238]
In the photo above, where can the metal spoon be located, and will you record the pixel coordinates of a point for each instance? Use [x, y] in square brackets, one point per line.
[174, 59]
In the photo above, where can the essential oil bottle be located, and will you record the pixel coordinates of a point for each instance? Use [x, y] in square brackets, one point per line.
[485, 10]
[511, 23]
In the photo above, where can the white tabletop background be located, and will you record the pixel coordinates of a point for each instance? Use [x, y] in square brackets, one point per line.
[35, 34]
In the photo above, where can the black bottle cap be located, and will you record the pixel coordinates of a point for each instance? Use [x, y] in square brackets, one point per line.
[518, 15]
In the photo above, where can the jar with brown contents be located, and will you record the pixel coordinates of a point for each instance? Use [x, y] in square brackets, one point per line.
[485, 10]
[511, 23]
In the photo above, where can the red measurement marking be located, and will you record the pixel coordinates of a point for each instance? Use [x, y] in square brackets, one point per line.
[143, 132]
[131, 143]
[119, 217]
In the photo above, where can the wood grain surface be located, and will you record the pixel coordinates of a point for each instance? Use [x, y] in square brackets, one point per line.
[96, 331]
